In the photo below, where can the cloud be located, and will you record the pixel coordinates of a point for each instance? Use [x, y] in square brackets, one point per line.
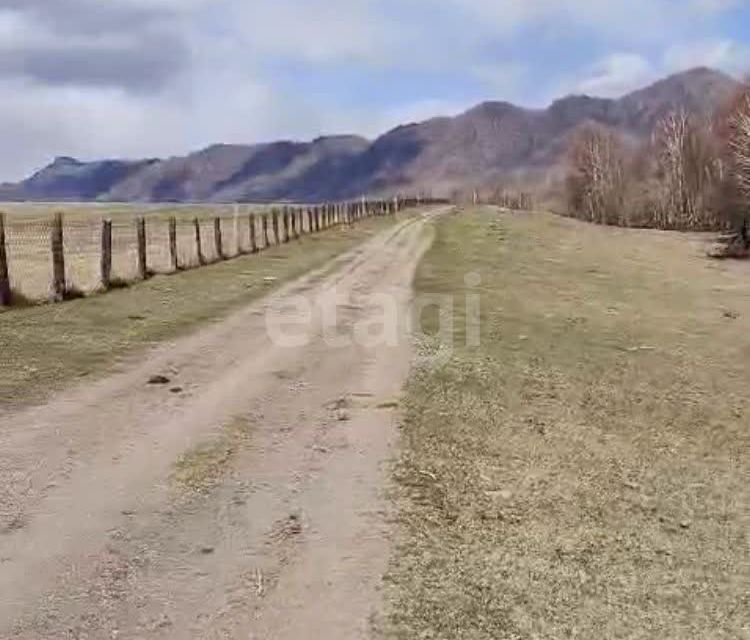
[132, 45]
[725, 54]
[317, 32]
[502, 78]
[615, 75]
[714, 6]
[75, 17]
[632, 20]
[144, 65]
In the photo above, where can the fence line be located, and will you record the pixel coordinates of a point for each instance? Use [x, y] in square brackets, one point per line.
[83, 256]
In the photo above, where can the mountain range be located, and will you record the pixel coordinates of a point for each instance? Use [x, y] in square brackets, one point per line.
[479, 149]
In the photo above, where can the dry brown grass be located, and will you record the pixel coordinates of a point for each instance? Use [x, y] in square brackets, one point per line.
[585, 473]
[200, 468]
[49, 347]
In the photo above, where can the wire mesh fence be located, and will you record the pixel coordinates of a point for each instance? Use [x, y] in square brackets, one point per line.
[28, 251]
[96, 254]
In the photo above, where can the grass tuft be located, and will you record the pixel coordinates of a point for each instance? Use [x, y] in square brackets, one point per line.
[201, 468]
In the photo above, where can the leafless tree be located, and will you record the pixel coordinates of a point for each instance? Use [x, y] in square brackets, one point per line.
[733, 133]
[688, 166]
[596, 184]
[739, 145]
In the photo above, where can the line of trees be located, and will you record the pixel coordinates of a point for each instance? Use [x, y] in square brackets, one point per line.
[694, 174]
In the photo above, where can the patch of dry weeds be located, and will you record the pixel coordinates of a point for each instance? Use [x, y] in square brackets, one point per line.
[202, 467]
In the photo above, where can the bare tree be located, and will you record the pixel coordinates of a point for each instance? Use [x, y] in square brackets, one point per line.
[596, 184]
[739, 146]
[688, 166]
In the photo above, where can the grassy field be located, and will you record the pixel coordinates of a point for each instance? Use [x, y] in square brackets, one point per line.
[49, 347]
[583, 474]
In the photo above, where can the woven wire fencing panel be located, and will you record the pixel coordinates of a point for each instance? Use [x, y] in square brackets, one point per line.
[158, 255]
[28, 244]
[82, 249]
[187, 250]
[208, 239]
[124, 249]
[29, 256]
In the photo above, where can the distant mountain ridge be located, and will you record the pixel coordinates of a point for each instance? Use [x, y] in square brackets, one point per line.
[476, 149]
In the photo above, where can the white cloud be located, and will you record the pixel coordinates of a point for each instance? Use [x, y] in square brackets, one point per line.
[715, 6]
[503, 78]
[616, 75]
[727, 55]
[631, 20]
[318, 32]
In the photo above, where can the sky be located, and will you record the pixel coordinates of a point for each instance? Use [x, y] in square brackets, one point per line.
[154, 78]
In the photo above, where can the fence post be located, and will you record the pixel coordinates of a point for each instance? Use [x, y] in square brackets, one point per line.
[293, 214]
[6, 297]
[253, 240]
[198, 246]
[140, 226]
[58, 259]
[173, 243]
[106, 263]
[285, 216]
[275, 225]
[266, 241]
[218, 243]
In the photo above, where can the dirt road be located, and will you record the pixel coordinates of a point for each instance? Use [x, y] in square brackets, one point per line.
[243, 498]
